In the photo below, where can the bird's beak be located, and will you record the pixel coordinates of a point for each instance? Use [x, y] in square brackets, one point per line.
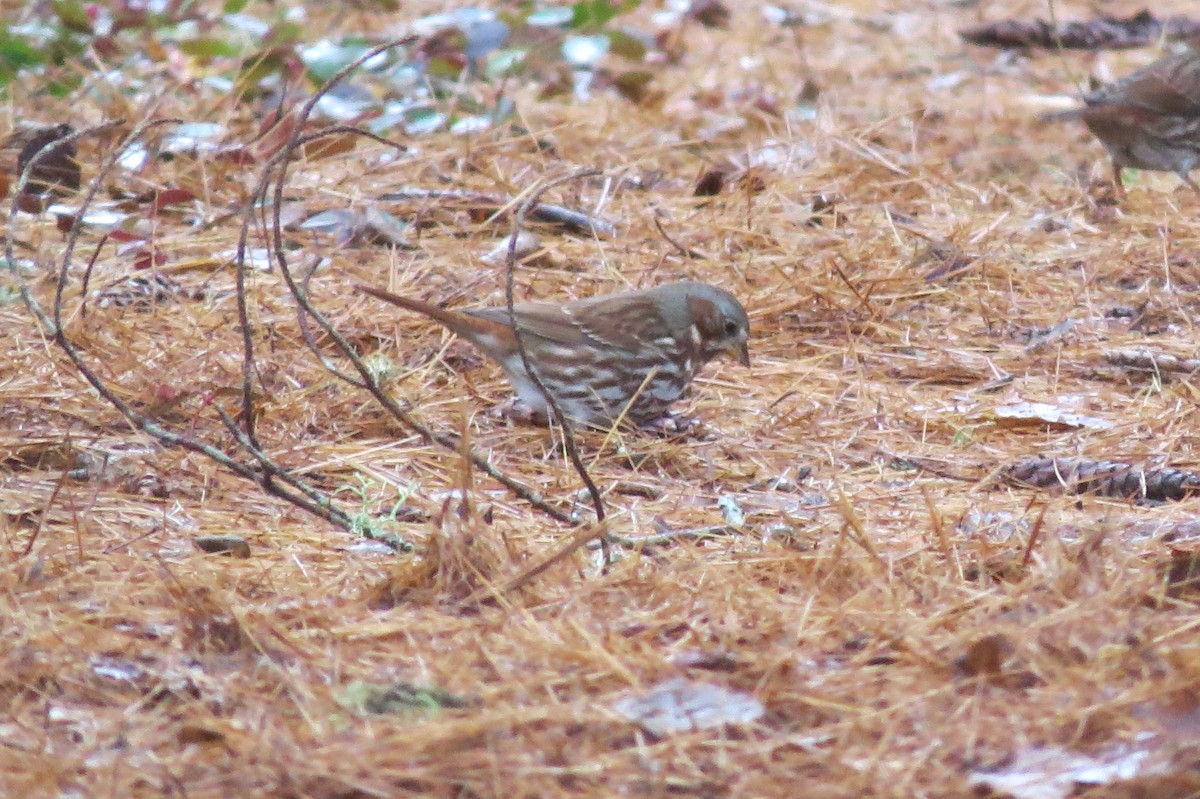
[741, 351]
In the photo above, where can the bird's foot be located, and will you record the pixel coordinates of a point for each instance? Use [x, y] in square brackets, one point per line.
[671, 426]
[520, 412]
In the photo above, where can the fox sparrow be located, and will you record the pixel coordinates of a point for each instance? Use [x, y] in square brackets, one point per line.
[626, 355]
[1150, 119]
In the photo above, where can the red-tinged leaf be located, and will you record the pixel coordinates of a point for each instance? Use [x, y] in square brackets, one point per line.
[128, 15]
[237, 155]
[166, 392]
[168, 197]
[273, 133]
[711, 182]
[56, 170]
[125, 235]
[328, 146]
[635, 86]
[147, 259]
[201, 734]
[34, 205]
[710, 13]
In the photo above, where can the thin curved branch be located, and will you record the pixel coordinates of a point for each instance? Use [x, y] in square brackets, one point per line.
[276, 171]
[307, 499]
[311, 342]
[530, 368]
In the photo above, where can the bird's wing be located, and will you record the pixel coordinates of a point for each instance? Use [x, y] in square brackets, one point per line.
[1166, 87]
[542, 320]
[626, 321]
[617, 321]
[1162, 97]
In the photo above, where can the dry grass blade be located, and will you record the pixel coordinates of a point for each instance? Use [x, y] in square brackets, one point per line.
[834, 587]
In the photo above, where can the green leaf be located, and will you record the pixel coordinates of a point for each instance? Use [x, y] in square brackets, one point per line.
[423, 120]
[371, 699]
[439, 67]
[17, 54]
[64, 85]
[73, 15]
[257, 68]
[504, 62]
[235, 6]
[626, 46]
[581, 14]
[64, 48]
[595, 13]
[286, 32]
[325, 59]
[209, 48]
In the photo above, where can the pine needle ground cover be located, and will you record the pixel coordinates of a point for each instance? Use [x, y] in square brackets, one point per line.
[938, 539]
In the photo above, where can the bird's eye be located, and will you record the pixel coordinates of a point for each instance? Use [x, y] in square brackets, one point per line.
[731, 327]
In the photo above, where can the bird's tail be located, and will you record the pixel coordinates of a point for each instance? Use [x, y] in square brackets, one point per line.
[467, 325]
[1063, 116]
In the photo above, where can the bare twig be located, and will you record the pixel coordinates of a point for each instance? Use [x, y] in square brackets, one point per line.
[311, 342]
[87, 274]
[1034, 534]
[531, 369]
[1104, 32]
[686, 251]
[304, 496]
[279, 162]
[671, 536]
[275, 172]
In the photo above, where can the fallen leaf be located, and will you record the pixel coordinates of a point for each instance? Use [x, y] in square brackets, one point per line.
[679, 705]
[1031, 414]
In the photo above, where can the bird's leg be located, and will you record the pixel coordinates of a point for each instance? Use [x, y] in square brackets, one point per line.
[1118, 186]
